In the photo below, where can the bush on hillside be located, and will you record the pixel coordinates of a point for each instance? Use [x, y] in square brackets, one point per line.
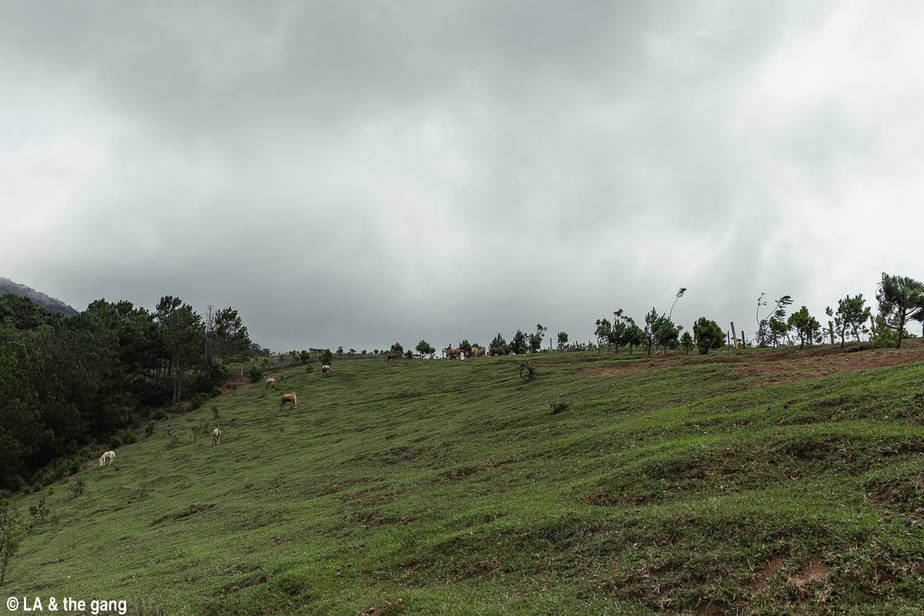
[558, 407]
[198, 400]
[527, 371]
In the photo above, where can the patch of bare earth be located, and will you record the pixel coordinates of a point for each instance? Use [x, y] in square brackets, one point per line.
[833, 361]
[811, 573]
[762, 577]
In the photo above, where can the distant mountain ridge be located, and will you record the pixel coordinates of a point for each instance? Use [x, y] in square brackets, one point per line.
[46, 302]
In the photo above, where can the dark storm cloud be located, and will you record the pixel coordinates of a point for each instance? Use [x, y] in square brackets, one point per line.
[358, 173]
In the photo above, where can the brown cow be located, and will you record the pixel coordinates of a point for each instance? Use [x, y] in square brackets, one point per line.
[290, 398]
[452, 353]
[497, 351]
[270, 381]
[325, 370]
[477, 352]
[391, 356]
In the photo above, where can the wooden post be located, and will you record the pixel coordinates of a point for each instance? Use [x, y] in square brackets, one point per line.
[734, 336]
[727, 338]
[743, 343]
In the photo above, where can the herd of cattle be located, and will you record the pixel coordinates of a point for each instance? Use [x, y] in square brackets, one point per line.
[292, 400]
[459, 353]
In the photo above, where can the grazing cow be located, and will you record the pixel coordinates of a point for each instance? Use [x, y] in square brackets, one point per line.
[497, 351]
[452, 353]
[325, 370]
[270, 381]
[290, 398]
[477, 352]
[391, 356]
[106, 458]
[216, 436]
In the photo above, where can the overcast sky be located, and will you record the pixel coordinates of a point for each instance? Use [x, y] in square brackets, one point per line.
[361, 173]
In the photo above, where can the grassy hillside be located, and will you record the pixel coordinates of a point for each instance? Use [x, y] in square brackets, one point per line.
[760, 482]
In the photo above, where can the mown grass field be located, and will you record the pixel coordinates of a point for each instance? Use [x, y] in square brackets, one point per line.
[753, 482]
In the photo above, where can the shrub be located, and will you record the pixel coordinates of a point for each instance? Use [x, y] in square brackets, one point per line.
[527, 371]
[254, 374]
[115, 442]
[41, 478]
[309, 368]
[172, 439]
[128, 437]
[76, 488]
[558, 407]
[149, 429]
[39, 512]
[198, 400]
[327, 357]
[160, 414]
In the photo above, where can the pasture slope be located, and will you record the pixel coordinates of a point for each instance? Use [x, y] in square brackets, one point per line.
[753, 482]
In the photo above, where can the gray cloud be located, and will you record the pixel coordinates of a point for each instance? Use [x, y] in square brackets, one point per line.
[360, 173]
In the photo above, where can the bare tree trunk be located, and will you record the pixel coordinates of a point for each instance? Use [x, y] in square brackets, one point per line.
[178, 383]
[734, 336]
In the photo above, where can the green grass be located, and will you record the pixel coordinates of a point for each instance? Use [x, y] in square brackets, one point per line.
[762, 482]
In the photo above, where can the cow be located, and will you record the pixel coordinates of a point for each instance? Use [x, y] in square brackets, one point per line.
[106, 458]
[216, 436]
[270, 381]
[390, 356]
[325, 370]
[498, 351]
[290, 398]
[452, 353]
[477, 352]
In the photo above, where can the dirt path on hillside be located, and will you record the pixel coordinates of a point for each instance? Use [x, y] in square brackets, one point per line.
[789, 363]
